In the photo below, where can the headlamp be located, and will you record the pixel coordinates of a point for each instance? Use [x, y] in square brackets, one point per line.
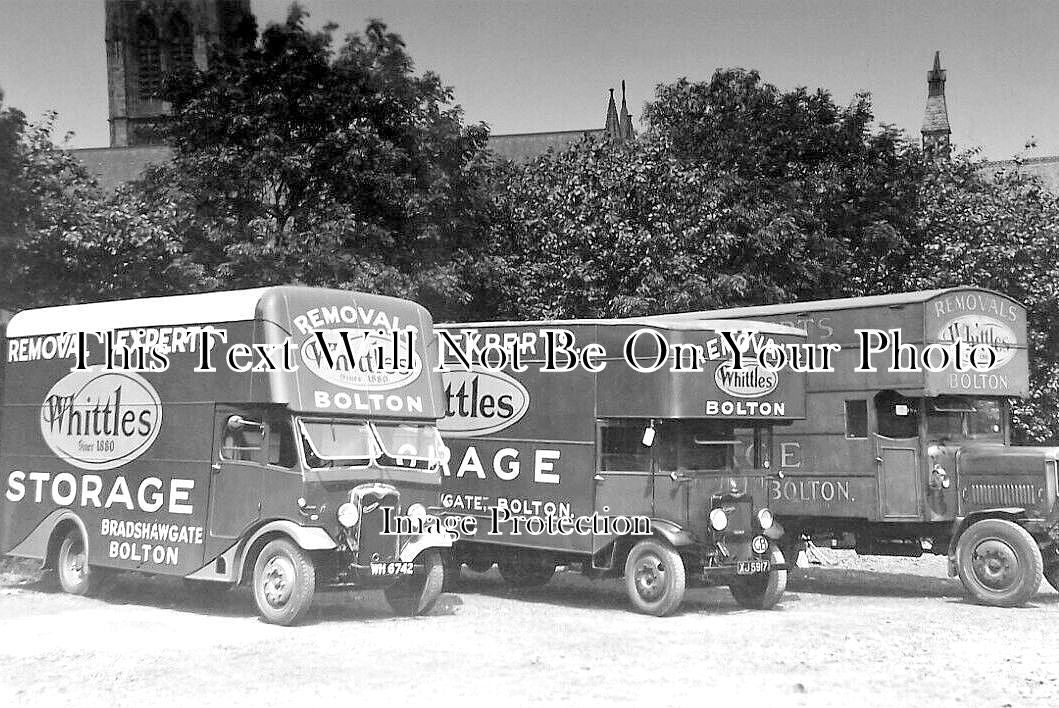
[348, 515]
[765, 519]
[718, 520]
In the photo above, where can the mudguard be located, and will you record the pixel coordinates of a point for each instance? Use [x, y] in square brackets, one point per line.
[418, 544]
[35, 544]
[676, 536]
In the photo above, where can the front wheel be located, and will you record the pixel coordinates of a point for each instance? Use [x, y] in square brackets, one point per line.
[654, 577]
[284, 582]
[71, 565]
[417, 594]
[764, 590]
[999, 563]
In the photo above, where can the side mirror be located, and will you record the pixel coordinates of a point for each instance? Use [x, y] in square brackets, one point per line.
[236, 423]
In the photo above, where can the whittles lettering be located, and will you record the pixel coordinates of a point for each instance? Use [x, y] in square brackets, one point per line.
[466, 403]
[98, 418]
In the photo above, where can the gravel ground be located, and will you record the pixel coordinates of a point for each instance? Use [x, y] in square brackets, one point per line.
[861, 631]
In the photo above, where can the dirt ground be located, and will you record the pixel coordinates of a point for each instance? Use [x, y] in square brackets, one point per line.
[862, 631]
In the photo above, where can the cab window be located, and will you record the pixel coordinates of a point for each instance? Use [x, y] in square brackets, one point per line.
[897, 415]
[622, 448]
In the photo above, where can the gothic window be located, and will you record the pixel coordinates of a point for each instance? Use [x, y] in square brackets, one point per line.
[181, 45]
[148, 59]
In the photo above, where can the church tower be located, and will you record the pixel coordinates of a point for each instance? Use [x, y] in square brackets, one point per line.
[935, 128]
[147, 39]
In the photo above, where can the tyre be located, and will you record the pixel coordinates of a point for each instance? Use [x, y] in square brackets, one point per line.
[764, 590]
[999, 563]
[71, 567]
[526, 569]
[1052, 576]
[417, 594]
[480, 565]
[284, 582]
[654, 577]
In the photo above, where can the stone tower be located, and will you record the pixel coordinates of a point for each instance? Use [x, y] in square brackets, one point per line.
[935, 128]
[147, 39]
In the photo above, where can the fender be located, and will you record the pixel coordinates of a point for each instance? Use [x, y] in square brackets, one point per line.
[310, 538]
[35, 544]
[960, 524]
[671, 532]
[418, 544]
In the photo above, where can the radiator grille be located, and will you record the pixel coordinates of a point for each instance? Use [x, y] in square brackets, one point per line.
[1003, 494]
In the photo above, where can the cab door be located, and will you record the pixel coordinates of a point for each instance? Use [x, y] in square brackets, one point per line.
[236, 471]
[897, 442]
[624, 481]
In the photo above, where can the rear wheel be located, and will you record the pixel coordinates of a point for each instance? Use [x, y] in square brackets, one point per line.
[654, 577]
[526, 569]
[764, 590]
[999, 563]
[284, 582]
[71, 566]
[417, 594]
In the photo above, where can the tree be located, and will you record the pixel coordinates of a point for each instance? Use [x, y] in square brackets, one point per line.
[737, 194]
[72, 243]
[299, 164]
[1000, 232]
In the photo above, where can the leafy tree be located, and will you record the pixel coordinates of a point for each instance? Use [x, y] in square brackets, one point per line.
[1001, 232]
[737, 194]
[66, 240]
[296, 163]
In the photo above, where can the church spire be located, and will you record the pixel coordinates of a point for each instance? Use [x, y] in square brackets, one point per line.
[612, 129]
[936, 130]
[626, 132]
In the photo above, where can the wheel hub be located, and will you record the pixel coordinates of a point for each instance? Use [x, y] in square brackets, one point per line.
[650, 578]
[995, 564]
[277, 581]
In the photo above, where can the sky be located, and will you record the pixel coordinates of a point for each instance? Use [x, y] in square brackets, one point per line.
[543, 65]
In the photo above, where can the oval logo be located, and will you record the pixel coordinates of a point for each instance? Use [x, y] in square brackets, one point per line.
[99, 420]
[363, 359]
[481, 402]
[753, 381]
[980, 329]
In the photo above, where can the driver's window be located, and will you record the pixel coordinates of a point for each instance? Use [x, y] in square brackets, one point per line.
[622, 449]
[897, 415]
[242, 438]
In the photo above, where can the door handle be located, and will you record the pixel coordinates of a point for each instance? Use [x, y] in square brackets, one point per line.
[598, 477]
[677, 477]
[216, 467]
[878, 460]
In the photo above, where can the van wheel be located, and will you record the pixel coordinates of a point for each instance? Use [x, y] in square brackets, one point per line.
[654, 577]
[526, 569]
[71, 566]
[480, 565]
[764, 590]
[284, 582]
[417, 594]
[999, 563]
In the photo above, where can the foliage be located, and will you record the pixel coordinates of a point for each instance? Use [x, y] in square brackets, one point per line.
[737, 194]
[296, 163]
[1001, 232]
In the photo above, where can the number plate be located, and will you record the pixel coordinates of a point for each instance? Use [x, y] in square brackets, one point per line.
[397, 568]
[751, 567]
